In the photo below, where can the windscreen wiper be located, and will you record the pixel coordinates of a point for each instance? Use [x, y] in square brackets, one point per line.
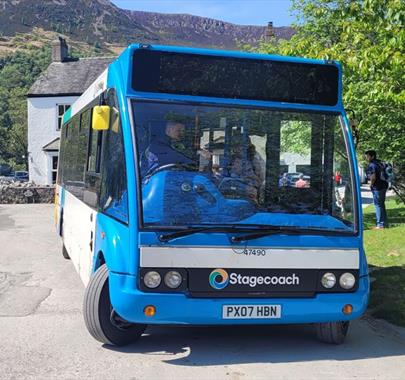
[192, 230]
[292, 230]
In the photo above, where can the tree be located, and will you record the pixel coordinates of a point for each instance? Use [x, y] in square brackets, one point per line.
[368, 38]
[17, 73]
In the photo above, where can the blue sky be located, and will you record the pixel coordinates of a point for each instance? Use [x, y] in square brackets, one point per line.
[245, 12]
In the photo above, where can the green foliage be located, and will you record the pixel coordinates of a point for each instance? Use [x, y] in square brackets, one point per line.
[368, 38]
[17, 73]
[385, 251]
[295, 137]
[385, 247]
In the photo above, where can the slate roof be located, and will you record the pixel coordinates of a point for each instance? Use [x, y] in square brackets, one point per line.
[69, 78]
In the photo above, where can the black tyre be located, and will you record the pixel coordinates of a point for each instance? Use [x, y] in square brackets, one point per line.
[102, 322]
[332, 332]
[65, 253]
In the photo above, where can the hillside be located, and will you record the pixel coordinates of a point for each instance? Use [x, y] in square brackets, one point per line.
[101, 23]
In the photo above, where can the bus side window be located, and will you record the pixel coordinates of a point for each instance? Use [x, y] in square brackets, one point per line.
[80, 153]
[93, 163]
[62, 153]
[83, 142]
[114, 196]
[92, 176]
[70, 151]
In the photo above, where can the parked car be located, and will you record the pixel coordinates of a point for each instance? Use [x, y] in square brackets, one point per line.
[5, 169]
[289, 179]
[295, 177]
[21, 176]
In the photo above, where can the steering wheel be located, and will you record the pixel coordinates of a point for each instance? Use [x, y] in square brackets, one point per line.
[177, 166]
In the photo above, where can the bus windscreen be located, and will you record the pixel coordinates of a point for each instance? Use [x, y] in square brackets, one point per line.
[238, 78]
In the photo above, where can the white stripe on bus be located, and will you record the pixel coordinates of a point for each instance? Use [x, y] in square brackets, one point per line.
[277, 258]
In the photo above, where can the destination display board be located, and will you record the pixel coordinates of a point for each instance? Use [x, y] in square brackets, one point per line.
[236, 78]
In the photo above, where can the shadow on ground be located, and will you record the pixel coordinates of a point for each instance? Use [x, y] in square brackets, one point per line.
[387, 298]
[228, 345]
[395, 216]
[6, 221]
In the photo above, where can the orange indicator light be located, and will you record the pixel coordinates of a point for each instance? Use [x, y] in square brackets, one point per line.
[347, 309]
[149, 310]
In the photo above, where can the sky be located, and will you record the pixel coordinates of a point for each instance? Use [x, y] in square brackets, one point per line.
[244, 12]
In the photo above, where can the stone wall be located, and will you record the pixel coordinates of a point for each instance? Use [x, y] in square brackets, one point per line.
[25, 192]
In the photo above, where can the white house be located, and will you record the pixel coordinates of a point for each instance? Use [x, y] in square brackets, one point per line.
[54, 91]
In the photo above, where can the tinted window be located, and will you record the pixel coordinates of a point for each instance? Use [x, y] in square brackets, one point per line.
[71, 151]
[83, 137]
[93, 164]
[80, 153]
[114, 197]
[206, 165]
[74, 149]
[228, 77]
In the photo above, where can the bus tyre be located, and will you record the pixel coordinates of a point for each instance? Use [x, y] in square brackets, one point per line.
[65, 253]
[102, 322]
[332, 332]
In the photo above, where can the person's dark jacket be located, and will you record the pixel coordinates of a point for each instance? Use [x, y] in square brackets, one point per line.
[161, 152]
[375, 167]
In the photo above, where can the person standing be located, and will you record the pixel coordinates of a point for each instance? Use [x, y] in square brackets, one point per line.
[338, 178]
[378, 188]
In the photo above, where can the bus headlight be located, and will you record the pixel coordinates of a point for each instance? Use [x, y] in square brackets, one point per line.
[173, 279]
[347, 281]
[152, 279]
[328, 280]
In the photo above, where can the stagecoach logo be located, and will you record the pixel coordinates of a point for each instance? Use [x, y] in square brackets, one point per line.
[219, 279]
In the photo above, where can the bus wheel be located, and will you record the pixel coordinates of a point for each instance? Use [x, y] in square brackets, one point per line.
[102, 322]
[332, 332]
[65, 253]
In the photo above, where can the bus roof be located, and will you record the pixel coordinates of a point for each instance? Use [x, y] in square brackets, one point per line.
[124, 64]
[230, 53]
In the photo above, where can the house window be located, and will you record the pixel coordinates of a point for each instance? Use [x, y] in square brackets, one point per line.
[54, 168]
[61, 110]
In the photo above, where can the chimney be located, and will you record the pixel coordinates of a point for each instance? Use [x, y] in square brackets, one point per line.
[60, 51]
[269, 31]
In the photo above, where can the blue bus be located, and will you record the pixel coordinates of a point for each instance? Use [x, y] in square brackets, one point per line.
[198, 187]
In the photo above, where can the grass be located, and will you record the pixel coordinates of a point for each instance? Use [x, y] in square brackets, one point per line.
[385, 250]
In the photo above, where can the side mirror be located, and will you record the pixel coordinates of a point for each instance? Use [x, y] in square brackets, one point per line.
[101, 118]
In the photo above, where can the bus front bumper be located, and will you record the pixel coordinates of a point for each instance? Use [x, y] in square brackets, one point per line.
[172, 308]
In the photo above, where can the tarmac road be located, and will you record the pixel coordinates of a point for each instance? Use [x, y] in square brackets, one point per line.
[43, 336]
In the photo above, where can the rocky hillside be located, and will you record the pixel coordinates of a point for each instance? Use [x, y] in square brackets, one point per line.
[202, 31]
[101, 22]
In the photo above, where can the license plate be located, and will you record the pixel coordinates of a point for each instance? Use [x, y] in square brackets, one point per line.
[251, 311]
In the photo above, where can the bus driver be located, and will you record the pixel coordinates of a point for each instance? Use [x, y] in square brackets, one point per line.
[168, 148]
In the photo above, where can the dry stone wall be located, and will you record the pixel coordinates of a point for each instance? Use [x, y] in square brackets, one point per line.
[25, 192]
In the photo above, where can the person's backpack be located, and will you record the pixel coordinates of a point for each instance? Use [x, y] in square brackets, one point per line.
[386, 172]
